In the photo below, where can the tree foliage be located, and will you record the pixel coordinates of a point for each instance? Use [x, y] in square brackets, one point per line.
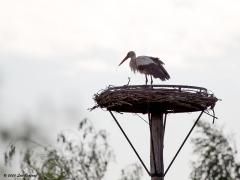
[132, 172]
[79, 155]
[216, 156]
[85, 157]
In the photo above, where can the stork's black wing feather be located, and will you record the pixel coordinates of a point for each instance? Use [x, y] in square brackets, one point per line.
[160, 72]
[157, 71]
[156, 60]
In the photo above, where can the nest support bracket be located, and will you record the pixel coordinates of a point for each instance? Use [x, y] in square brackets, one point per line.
[130, 143]
[138, 156]
[183, 143]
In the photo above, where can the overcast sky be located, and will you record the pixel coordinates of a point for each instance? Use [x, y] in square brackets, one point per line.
[55, 54]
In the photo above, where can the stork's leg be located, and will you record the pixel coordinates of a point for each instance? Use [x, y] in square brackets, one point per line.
[128, 81]
[146, 79]
[151, 80]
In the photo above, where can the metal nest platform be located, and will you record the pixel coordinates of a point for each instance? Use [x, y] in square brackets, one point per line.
[155, 98]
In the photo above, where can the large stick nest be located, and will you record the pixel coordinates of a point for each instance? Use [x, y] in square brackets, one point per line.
[156, 98]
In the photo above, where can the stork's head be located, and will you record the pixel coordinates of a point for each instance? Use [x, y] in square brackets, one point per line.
[130, 54]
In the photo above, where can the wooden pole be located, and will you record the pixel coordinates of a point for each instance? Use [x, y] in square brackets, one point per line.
[157, 133]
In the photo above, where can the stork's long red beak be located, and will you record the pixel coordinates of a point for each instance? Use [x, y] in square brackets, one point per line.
[123, 60]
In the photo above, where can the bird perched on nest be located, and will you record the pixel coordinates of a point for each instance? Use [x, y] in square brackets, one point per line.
[147, 65]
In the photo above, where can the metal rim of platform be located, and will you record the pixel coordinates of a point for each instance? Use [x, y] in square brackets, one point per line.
[167, 87]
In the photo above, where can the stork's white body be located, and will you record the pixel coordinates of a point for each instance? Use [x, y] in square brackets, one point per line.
[135, 63]
[147, 65]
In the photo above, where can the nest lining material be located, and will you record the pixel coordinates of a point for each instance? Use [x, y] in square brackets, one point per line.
[156, 98]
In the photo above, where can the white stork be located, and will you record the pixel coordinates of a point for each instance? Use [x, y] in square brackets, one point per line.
[147, 65]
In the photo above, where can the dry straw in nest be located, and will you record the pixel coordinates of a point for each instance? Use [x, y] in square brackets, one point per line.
[160, 98]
